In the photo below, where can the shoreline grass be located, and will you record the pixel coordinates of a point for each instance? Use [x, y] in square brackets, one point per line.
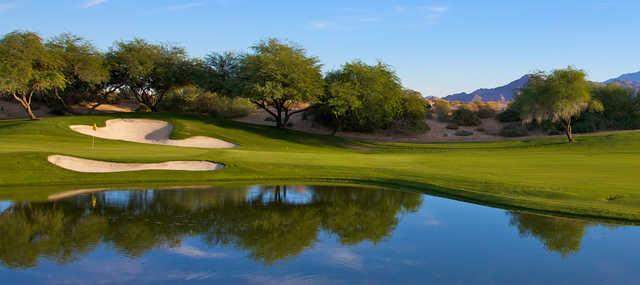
[537, 174]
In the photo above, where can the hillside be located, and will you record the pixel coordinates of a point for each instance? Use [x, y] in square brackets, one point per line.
[631, 80]
[501, 93]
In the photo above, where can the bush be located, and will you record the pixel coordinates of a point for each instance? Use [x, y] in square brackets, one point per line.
[465, 117]
[143, 108]
[442, 108]
[463, 133]
[514, 130]
[452, 126]
[194, 100]
[485, 112]
[554, 133]
[509, 116]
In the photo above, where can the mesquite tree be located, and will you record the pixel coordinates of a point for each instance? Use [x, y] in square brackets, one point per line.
[279, 78]
[148, 70]
[560, 97]
[28, 68]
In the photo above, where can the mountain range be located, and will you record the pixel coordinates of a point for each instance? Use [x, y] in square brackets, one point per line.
[631, 80]
[506, 92]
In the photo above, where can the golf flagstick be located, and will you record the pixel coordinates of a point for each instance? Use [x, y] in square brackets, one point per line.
[93, 137]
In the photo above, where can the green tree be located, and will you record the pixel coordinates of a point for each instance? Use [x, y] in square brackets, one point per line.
[149, 71]
[367, 97]
[414, 109]
[28, 68]
[83, 67]
[620, 108]
[558, 97]
[279, 78]
[341, 97]
[221, 73]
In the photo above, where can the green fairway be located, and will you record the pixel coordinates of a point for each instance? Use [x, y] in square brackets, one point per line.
[595, 177]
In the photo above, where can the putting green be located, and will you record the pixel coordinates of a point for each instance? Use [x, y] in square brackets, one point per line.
[595, 177]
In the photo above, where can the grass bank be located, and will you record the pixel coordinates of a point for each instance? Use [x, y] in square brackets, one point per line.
[596, 177]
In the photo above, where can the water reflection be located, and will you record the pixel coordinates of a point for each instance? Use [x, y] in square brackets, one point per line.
[562, 235]
[269, 223]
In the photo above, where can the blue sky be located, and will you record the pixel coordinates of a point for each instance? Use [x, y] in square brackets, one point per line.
[437, 47]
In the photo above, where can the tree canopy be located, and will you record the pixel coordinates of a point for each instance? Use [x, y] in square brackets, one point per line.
[148, 70]
[559, 97]
[279, 78]
[364, 97]
[83, 67]
[28, 68]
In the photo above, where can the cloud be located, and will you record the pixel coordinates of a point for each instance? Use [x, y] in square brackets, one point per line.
[193, 252]
[184, 6]
[370, 20]
[438, 9]
[7, 6]
[345, 258]
[92, 3]
[323, 25]
[434, 13]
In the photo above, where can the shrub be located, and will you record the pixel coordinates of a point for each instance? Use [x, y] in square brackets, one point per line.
[465, 117]
[414, 108]
[554, 132]
[463, 133]
[485, 112]
[143, 108]
[194, 100]
[514, 130]
[442, 108]
[509, 116]
[452, 126]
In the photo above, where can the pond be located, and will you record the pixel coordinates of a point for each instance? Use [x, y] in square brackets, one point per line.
[302, 235]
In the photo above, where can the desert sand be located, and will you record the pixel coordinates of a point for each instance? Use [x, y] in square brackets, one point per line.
[149, 132]
[96, 166]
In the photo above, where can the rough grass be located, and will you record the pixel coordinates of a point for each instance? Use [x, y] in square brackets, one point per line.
[544, 175]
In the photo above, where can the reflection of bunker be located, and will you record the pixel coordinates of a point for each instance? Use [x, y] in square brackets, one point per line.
[149, 132]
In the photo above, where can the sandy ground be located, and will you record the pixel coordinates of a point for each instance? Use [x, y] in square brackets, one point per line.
[10, 109]
[95, 166]
[85, 108]
[149, 132]
[438, 133]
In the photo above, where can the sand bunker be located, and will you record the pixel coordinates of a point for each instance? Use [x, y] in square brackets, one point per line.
[147, 131]
[96, 166]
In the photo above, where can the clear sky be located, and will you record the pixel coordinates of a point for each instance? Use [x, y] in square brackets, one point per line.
[437, 47]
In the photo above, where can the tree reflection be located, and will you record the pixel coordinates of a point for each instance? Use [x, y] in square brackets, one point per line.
[558, 234]
[269, 223]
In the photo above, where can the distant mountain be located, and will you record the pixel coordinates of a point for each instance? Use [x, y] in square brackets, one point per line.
[505, 92]
[631, 80]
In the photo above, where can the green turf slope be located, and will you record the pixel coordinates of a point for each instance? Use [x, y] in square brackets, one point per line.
[599, 176]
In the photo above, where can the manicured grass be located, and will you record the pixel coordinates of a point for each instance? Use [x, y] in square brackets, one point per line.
[597, 176]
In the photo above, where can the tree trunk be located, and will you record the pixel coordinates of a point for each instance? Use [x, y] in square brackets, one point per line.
[569, 131]
[337, 126]
[27, 109]
[279, 123]
[25, 103]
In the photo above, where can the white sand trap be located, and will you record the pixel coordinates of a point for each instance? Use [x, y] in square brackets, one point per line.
[96, 166]
[147, 131]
